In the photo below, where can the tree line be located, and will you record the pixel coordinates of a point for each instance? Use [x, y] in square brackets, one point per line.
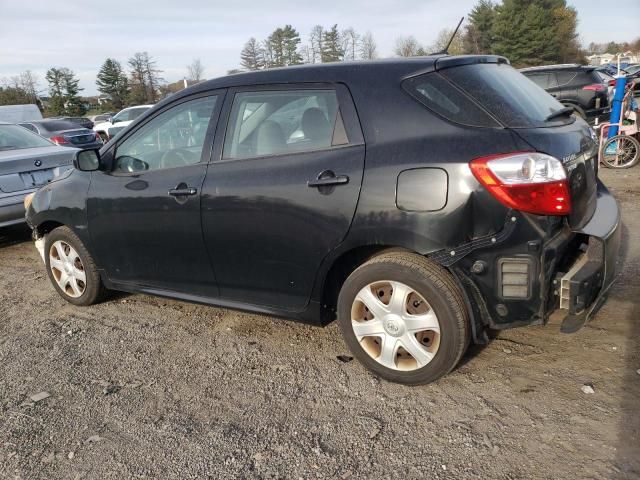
[527, 32]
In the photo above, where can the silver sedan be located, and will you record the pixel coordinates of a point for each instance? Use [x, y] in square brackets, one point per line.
[27, 161]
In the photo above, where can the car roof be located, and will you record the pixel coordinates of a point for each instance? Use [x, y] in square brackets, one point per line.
[565, 66]
[356, 72]
[55, 123]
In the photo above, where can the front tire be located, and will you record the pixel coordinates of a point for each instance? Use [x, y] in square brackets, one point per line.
[404, 318]
[71, 268]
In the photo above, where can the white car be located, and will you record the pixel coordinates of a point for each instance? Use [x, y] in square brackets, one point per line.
[120, 120]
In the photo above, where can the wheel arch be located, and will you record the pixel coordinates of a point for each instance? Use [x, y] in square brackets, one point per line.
[341, 267]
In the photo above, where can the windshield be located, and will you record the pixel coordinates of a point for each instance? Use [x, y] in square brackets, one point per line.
[508, 95]
[13, 137]
[633, 69]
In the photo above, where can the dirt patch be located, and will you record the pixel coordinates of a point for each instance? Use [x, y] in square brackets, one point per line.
[146, 387]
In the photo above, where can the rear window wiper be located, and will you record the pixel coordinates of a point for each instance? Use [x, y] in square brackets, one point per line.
[559, 113]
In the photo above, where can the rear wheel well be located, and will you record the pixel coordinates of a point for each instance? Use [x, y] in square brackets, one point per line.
[341, 269]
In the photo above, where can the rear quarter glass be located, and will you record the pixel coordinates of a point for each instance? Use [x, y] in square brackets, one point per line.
[443, 98]
[510, 97]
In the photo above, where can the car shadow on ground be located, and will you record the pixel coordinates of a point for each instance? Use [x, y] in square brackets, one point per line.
[14, 234]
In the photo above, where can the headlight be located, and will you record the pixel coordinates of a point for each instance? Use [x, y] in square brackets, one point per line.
[28, 199]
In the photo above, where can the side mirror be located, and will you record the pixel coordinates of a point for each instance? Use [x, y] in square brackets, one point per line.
[87, 160]
[110, 119]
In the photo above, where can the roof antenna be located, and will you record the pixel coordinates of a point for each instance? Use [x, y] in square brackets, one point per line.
[445, 51]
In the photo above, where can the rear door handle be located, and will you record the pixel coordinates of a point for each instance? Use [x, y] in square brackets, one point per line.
[328, 181]
[183, 192]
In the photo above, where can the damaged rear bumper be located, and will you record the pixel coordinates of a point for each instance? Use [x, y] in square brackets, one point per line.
[584, 288]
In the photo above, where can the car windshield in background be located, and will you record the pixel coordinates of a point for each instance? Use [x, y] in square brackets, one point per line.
[13, 137]
[604, 76]
[508, 95]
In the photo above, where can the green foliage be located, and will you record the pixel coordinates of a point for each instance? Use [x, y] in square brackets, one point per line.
[527, 32]
[331, 46]
[477, 36]
[282, 47]
[112, 81]
[64, 92]
[14, 96]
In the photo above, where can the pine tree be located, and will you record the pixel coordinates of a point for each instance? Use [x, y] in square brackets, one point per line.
[332, 46]
[73, 103]
[524, 31]
[276, 48]
[64, 92]
[291, 39]
[112, 81]
[477, 37]
[252, 55]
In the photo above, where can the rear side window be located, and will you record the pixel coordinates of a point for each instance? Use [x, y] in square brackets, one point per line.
[565, 76]
[439, 95]
[280, 122]
[543, 79]
[507, 94]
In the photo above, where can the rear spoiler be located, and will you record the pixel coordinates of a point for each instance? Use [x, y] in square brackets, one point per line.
[459, 60]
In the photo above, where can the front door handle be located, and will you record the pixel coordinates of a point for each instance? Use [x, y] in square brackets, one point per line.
[183, 191]
[325, 180]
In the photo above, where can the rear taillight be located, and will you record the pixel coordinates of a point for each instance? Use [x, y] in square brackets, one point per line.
[596, 87]
[527, 181]
[59, 140]
[98, 138]
[612, 83]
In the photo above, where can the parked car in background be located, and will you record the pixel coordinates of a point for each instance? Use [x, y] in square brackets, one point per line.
[122, 119]
[581, 87]
[420, 201]
[82, 121]
[27, 161]
[65, 133]
[19, 113]
[103, 117]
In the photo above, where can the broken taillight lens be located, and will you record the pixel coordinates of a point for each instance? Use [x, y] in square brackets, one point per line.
[527, 181]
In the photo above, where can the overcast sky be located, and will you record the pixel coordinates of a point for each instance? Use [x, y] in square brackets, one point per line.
[39, 34]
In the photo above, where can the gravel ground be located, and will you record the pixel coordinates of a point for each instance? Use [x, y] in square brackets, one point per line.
[142, 387]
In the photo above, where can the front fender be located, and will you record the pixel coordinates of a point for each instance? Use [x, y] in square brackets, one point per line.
[63, 201]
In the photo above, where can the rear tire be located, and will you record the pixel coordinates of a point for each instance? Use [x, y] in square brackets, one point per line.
[413, 337]
[71, 268]
[624, 152]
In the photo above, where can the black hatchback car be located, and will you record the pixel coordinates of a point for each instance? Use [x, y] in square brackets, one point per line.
[421, 202]
[581, 87]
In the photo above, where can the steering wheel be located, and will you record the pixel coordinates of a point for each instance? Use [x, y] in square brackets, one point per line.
[176, 158]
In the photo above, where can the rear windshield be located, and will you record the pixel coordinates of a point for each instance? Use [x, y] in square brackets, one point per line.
[508, 95]
[57, 125]
[13, 137]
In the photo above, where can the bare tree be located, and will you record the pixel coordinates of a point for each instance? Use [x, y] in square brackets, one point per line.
[316, 42]
[368, 47]
[195, 71]
[350, 43]
[407, 46]
[444, 35]
[252, 55]
[144, 79]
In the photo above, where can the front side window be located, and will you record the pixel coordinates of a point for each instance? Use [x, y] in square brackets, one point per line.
[281, 122]
[172, 139]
